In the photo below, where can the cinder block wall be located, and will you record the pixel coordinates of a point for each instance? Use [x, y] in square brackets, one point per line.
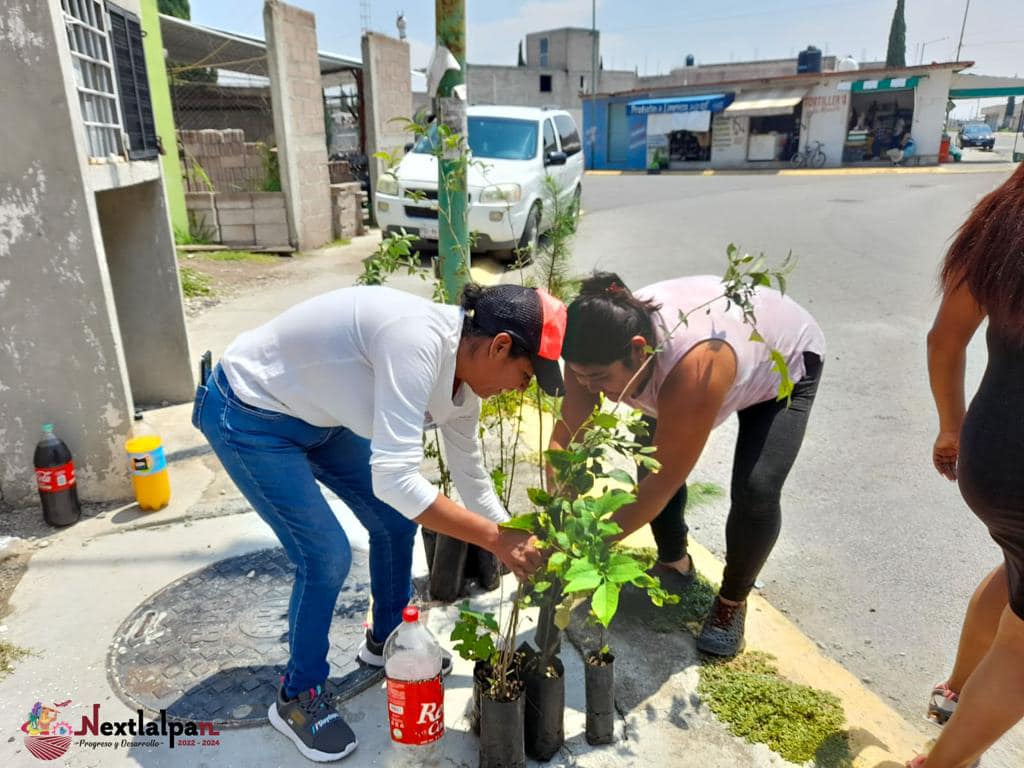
[297, 95]
[388, 95]
[231, 163]
[240, 218]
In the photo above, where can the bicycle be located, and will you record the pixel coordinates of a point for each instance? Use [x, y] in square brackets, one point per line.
[813, 156]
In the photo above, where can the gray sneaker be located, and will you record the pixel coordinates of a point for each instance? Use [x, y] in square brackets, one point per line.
[313, 724]
[722, 633]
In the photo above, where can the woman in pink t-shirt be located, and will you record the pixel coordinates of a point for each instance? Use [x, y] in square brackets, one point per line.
[703, 371]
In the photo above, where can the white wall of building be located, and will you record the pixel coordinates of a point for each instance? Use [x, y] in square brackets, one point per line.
[930, 113]
[826, 111]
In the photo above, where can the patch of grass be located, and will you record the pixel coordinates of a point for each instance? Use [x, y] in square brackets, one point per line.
[801, 723]
[256, 258]
[686, 615]
[184, 237]
[699, 494]
[194, 283]
[339, 242]
[10, 653]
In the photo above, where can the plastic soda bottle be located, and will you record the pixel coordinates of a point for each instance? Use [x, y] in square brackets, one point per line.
[148, 466]
[412, 665]
[55, 479]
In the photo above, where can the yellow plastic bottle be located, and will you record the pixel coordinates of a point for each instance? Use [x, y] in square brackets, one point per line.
[148, 466]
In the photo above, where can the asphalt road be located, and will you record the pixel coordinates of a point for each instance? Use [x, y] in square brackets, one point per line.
[878, 554]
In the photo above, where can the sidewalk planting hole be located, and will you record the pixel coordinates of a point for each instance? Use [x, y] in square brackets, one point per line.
[800, 723]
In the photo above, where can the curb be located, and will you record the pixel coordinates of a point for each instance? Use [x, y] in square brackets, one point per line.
[940, 169]
[879, 737]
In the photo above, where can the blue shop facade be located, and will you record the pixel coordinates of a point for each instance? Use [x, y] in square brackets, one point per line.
[852, 118]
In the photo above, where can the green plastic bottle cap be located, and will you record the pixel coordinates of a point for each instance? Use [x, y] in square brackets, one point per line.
[47, 427]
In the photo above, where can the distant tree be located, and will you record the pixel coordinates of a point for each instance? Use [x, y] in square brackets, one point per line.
[897, 53]
[521, 62]
[179, 8]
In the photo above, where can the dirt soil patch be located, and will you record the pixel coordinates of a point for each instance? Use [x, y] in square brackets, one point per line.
[233, 277]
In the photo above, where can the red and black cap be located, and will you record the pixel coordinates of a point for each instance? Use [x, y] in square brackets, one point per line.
[536, 322]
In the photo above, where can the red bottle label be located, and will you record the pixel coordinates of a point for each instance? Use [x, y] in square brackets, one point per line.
[56, 479]
[416, 710]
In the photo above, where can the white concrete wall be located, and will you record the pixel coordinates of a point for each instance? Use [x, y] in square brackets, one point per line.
[729, 137]
[61, 359]
[930, 114]
[143, 268]
[826, 111]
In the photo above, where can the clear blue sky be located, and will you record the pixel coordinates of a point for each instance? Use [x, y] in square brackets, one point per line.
[656, 35]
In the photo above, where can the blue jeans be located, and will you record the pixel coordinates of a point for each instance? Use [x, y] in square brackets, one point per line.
[275, 460]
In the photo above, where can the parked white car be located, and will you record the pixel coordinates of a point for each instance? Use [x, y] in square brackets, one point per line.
[513, 150]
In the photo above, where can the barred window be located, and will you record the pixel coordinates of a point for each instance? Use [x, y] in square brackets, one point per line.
[86, 25]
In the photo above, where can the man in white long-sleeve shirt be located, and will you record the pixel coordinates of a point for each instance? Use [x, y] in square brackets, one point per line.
[339, 389]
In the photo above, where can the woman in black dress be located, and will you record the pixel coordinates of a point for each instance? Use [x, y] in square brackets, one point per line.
[983, 449]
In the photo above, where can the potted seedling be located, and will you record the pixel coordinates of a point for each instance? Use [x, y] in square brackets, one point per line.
[573, 522]
[498, 700]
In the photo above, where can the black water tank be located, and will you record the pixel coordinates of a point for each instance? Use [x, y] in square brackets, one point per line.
[689, 60]
[809, 60]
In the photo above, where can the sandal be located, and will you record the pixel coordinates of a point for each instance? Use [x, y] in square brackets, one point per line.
[942, 704]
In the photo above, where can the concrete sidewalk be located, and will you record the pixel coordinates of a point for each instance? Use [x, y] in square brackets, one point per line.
[81, 586]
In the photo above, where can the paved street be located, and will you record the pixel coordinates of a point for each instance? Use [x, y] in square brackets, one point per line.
[878, 554]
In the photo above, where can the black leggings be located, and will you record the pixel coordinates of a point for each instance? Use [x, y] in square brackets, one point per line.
[769, 439]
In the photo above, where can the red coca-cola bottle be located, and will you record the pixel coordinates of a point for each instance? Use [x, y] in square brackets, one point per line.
[55, 478]
[412, 665]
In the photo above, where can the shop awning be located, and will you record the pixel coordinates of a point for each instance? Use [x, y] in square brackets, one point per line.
[967, 86]
[714, 102]
[765, 103]
[886, 84]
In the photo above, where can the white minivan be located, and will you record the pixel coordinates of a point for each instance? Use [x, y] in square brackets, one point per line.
[513, 150]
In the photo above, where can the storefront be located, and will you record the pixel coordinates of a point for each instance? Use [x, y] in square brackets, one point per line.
[773, 133]
[850, 117]
[881, 116]
[678, 129]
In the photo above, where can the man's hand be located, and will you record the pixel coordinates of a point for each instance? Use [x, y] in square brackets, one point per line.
[518, 552]
[945, 454]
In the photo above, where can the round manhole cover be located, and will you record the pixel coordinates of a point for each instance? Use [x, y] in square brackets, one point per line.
[212, 645]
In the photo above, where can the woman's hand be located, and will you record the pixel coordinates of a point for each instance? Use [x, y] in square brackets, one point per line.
[945, 454]
[518, 551]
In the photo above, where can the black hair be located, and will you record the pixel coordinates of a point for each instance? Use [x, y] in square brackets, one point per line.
[603, 319]
[468, 300]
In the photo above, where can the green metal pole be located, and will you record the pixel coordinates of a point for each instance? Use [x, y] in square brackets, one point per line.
[452, 193]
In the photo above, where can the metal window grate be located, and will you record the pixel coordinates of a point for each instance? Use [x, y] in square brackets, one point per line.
[86, 24]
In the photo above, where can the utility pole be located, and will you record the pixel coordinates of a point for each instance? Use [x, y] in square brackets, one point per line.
[962, 28]
[453, 225]
[593, 46]
[447, 569]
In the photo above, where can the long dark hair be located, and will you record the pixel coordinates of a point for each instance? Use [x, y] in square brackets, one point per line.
[988, 256]
[468, 299]
[603, 319]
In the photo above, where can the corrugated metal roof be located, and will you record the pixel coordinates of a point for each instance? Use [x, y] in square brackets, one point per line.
[193, 44]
